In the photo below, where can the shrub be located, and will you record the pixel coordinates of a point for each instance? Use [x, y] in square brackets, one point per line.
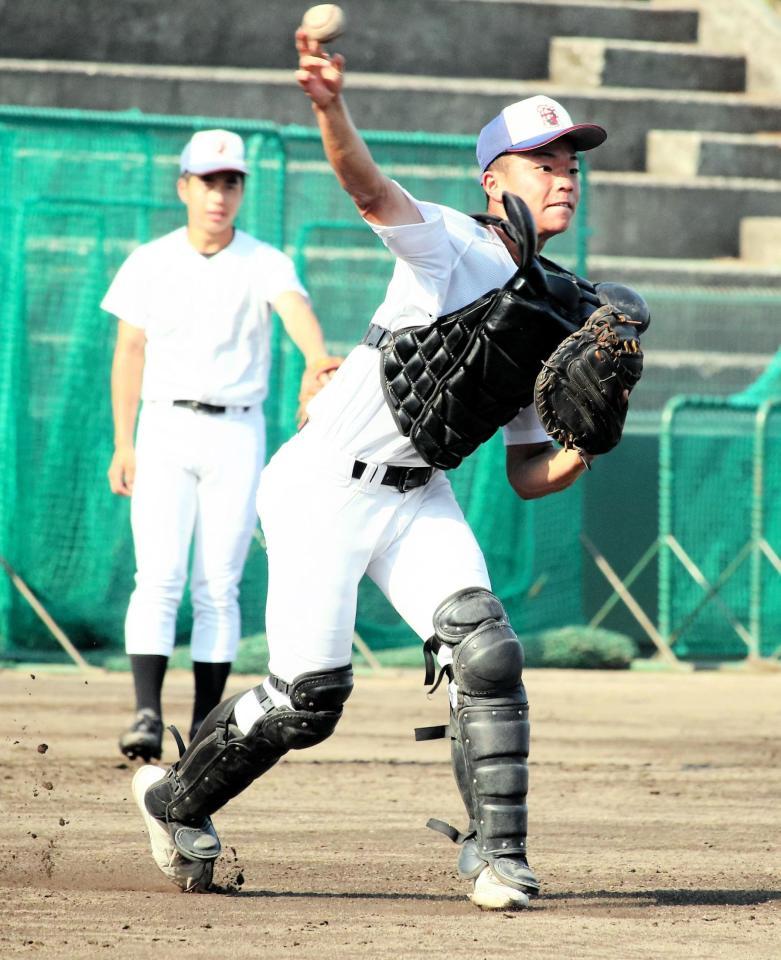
[579, 647]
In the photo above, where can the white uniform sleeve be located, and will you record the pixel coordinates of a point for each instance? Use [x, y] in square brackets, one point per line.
[125, 297]
[278, 274]
[425, 258]
[422, 245]
[525, 427]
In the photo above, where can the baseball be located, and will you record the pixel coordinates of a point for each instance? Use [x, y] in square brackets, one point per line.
[324, 22]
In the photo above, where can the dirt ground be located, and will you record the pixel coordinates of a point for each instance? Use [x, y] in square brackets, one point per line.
[654, 811]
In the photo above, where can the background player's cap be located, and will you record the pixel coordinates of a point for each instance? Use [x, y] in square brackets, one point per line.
[210, 151]
[532, 123]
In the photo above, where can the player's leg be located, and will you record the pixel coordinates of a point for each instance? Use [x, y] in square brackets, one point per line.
[231, 452]
[162, 515]
[435, 576]
[241, 739]
[209, 680]
[144, 737]
[310, 621]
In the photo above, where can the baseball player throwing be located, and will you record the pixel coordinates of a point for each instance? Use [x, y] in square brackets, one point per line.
[193, 340]
[360, 485]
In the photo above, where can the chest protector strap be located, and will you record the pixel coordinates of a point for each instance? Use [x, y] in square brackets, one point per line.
[452, 383]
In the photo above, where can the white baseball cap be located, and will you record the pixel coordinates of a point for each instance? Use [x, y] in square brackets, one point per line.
[210, 151]
[532, 123]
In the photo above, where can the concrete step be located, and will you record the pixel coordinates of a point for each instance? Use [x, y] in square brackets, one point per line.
[760, 240]
[749, 27]
[678, 154]
[440, 37]
[639, 215]
[720, 272]
[662, 66]
[696, 306]
[381, 101]
[702, 316]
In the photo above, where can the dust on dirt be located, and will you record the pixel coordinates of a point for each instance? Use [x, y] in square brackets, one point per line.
[654, 827]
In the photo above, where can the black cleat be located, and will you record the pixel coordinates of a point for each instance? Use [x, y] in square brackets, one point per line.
[144, 739]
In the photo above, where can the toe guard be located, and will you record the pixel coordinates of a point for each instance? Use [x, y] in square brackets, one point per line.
[196, 843]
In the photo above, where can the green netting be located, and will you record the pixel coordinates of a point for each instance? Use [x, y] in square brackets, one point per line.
[766, 563]
[765, 387]
[82, 191]
[720, 527]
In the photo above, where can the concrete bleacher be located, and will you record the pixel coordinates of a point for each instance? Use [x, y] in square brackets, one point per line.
[467, 38]
[685, 195]
[597, 62]
[683, 154]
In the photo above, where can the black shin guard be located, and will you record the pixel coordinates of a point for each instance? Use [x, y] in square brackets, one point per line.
[221, 761]
[495, 737]
[489, 735]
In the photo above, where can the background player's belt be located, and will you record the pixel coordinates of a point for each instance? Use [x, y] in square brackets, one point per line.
[202, 407]
[402, 478]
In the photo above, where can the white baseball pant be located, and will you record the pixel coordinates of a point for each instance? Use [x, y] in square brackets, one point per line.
[196, 479]
[324, 530]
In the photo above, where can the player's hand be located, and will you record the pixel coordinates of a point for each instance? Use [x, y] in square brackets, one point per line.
[315, 377]
[319, 74]
[122, 471]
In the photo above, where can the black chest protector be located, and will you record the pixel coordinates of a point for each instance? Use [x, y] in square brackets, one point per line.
[451, 384]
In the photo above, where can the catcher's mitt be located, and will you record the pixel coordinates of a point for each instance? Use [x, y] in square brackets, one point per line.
[315, 377]
[581, 393]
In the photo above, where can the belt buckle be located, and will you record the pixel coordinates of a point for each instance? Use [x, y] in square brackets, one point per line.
[405, 483]
[371, 477]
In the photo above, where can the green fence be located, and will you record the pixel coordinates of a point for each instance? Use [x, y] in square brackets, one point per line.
[80, 192]
[720, 528]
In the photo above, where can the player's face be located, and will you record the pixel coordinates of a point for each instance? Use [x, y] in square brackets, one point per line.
[212, 200]
[548, 180]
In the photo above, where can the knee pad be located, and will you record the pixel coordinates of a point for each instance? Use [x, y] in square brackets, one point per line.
[223, 761]
[487, 655]
[317, 699]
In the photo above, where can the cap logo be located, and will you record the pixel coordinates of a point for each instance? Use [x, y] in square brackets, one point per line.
[548, 114]
[222, 146]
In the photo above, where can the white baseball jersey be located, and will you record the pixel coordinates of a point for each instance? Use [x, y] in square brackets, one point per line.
[416, 546]
[443, 264]
[206, 319]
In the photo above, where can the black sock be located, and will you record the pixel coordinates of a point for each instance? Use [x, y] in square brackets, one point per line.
[210, 679]
[148, 674]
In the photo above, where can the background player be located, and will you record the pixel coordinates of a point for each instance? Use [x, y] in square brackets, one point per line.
[349, 495]
[194, 313]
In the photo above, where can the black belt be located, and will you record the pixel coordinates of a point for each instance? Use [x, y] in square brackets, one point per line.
[402, 478]
[202, 407]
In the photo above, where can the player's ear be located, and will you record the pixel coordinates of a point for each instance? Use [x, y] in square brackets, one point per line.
[181, 187]
[492, 184]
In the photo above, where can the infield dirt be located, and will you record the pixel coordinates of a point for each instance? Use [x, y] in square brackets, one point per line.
[654, 806]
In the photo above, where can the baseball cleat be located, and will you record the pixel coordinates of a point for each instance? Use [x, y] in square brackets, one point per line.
[144, 738]
[491, 894]
[190, 875]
